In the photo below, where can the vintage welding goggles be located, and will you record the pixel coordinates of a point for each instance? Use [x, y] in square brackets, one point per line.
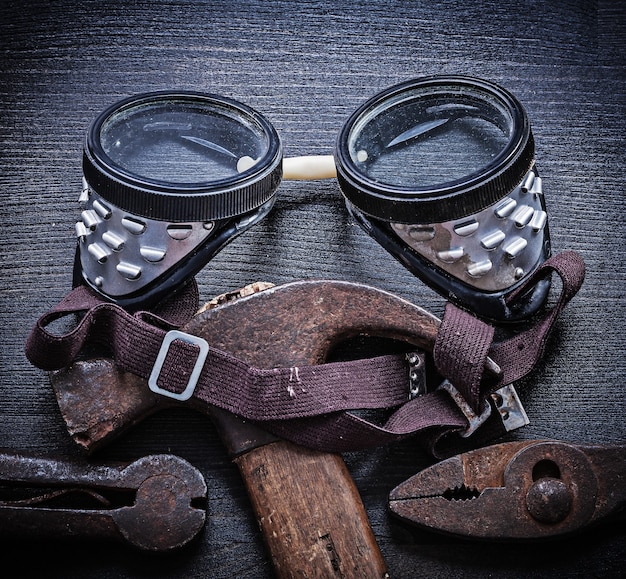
[439, 170]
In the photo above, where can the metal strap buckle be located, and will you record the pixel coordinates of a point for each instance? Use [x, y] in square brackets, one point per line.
[197, 369]
[505, 400]
[509, 405]
[417, 374]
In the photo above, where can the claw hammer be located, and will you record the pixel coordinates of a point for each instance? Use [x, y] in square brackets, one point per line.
[306, 503]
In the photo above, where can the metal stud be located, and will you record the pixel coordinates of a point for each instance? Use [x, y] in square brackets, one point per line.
[451, 255]
[101, 209]
[515, 247]
[113, 240]
[492, 240]
[537, 188]
[479, 269]
[84, 194]
[505, 208]
[134, 226]
[179, 232]
[90, 219]
[523, 215]
[539, 220]
[528, 182]
[81, 231]
[128, 270]
[466, 228]
[421, 232]
[152, 254]
[98, 252]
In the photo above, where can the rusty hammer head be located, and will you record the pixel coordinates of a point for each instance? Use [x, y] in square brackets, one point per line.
[295, 323]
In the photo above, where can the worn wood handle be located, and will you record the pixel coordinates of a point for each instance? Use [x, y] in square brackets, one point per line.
[310, 513]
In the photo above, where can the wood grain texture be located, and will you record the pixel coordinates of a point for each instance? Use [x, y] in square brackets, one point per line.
[306, 66]
[311, 534]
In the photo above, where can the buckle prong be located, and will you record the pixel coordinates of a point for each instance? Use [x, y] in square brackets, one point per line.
[197, 368]
[474, 420]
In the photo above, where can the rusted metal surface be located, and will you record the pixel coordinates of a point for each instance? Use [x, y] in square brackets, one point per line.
[301, 322]
[296, 323]
[156, 503]
[516, 491]
[99, 403]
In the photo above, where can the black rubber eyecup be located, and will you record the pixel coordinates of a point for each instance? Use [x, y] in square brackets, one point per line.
[448, 199]
[220, 198]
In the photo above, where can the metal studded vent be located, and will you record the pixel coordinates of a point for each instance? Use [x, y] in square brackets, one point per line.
[493, 249]
[121, 253]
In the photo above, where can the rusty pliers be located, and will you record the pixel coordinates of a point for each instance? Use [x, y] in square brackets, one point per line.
[516, 491]
[156, 503]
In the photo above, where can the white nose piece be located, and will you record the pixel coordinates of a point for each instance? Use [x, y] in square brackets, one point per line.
[309, 168]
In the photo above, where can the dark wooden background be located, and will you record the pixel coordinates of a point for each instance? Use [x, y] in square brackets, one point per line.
[306, 66]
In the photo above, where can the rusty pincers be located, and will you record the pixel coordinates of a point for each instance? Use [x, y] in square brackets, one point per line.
[156, 503]
[523, 490]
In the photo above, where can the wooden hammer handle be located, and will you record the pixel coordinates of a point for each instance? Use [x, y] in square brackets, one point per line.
[310, 513]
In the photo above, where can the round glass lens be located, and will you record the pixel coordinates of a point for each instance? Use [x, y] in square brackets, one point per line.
[430, 136]
[185, 141]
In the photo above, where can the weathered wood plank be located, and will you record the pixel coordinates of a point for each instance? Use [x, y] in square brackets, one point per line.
[306, 66]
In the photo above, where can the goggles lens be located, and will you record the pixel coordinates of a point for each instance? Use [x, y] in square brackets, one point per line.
[176, 140]
[429, 136]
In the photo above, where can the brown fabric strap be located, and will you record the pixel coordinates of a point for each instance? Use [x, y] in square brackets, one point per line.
[262, 395]
[464, 342]
[461, 350]
[316, 406]
[518, 355]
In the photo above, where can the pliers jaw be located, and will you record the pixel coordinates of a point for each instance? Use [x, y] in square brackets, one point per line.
[460, 496]
[514, 491]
